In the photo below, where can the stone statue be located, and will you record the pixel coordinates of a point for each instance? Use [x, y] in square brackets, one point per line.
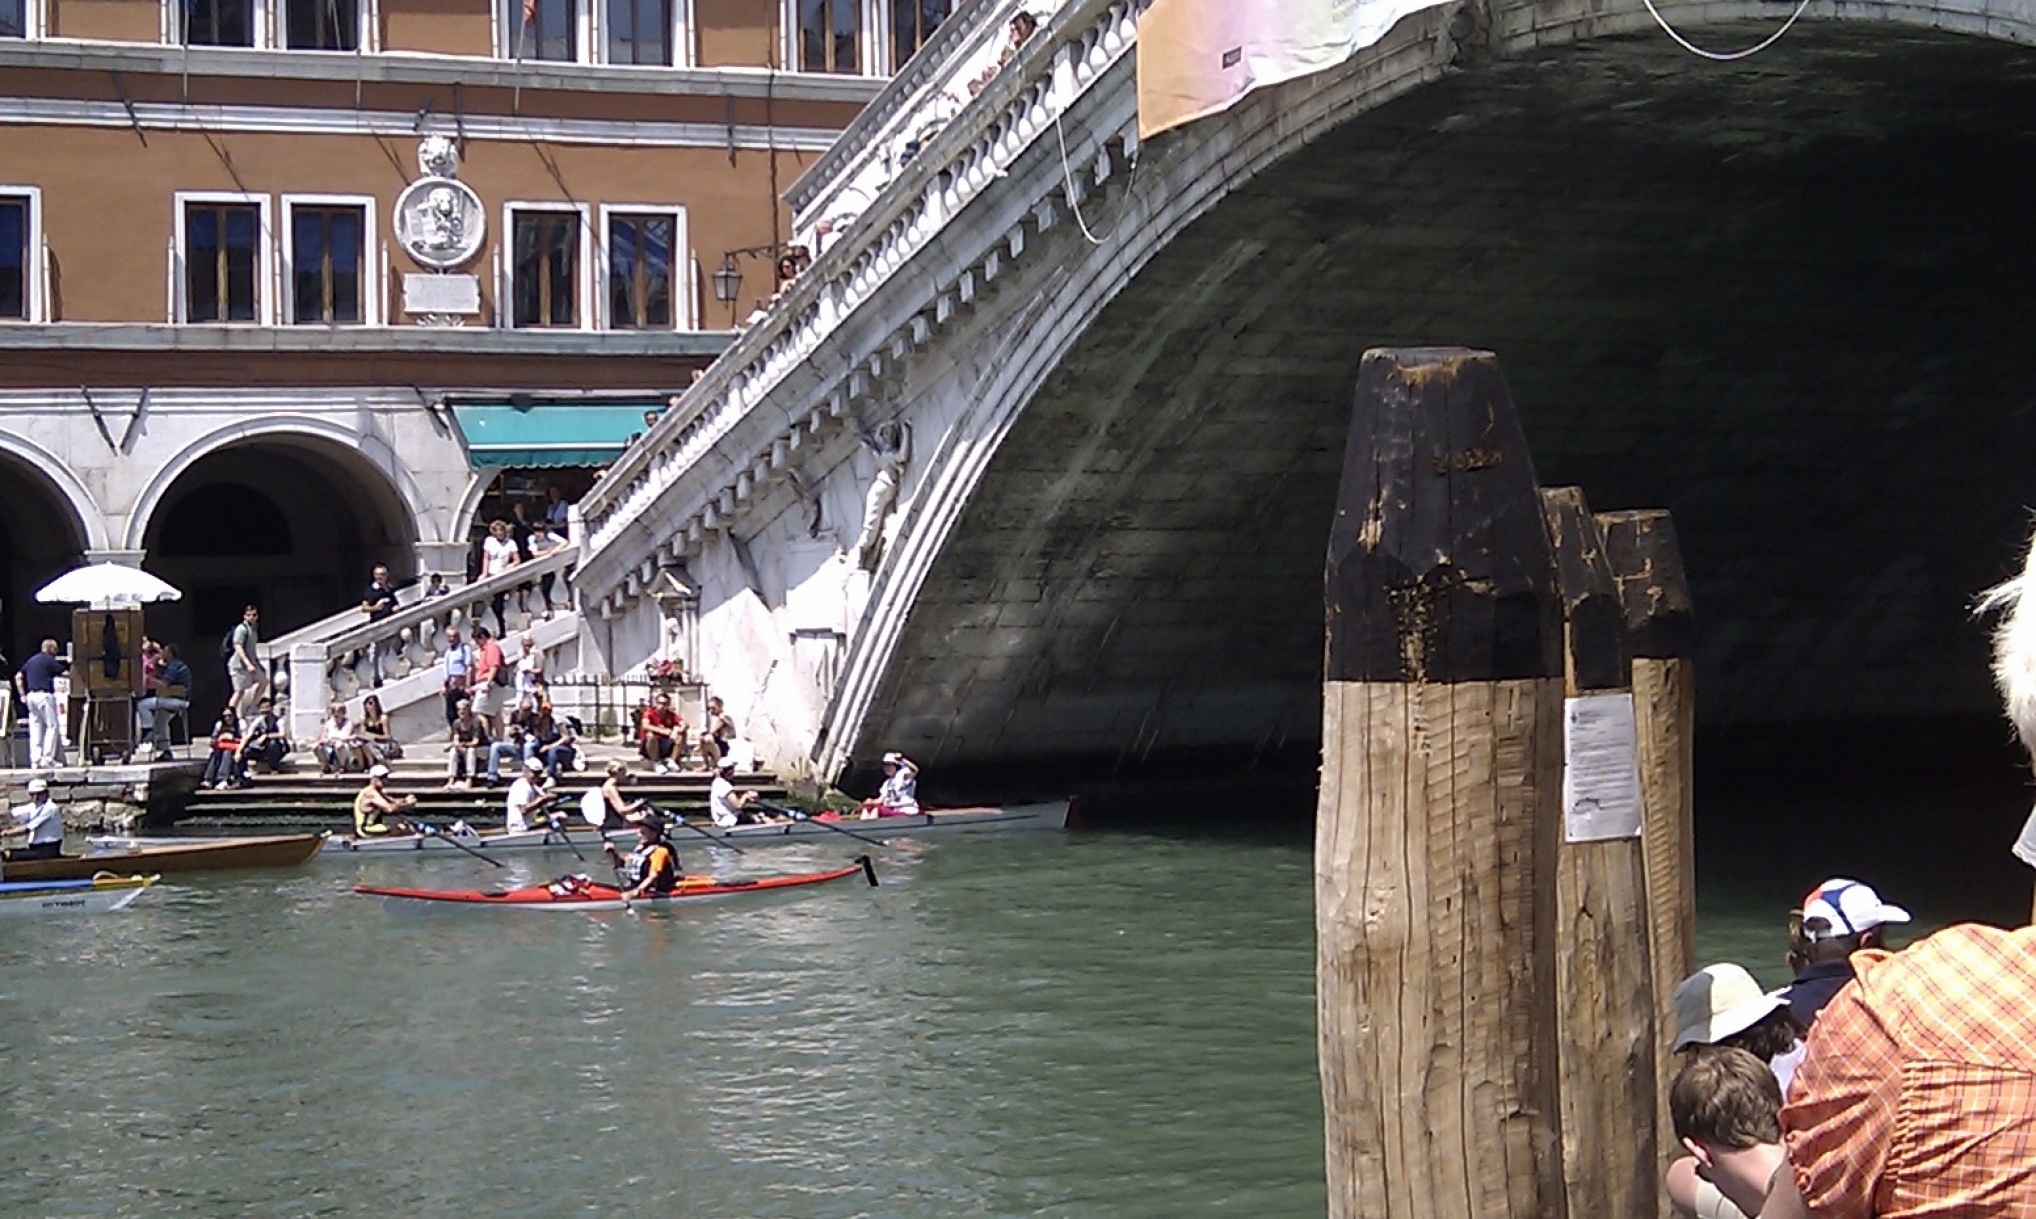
[892, 444]
[438, 157]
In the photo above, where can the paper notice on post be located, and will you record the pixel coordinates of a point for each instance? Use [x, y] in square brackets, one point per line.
[1601, 768]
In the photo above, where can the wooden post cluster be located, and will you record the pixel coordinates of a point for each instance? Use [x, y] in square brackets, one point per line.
[1434, 865]
[1494, 949]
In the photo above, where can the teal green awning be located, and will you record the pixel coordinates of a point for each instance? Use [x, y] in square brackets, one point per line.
[549, 435]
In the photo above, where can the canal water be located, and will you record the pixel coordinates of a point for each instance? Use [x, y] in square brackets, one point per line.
[1115, 1024]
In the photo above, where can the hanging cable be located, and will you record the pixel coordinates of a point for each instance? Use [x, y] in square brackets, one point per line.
[1724, 56]
[1068, 175]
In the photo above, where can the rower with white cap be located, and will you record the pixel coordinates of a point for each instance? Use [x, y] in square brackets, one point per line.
[41, 820]
[899, 796]
[1838, 918]
[527, 797]
[374, 803]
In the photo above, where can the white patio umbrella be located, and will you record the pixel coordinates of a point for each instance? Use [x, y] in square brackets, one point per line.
[107, 586]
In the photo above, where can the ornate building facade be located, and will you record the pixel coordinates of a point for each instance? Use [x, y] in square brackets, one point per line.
[292, 287]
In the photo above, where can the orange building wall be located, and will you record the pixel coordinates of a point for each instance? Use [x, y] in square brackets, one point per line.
[441, 27]
[113, 20]
[108, 202]
[738, 33]
[727, 33]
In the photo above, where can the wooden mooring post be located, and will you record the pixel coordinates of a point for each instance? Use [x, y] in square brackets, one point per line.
[1605, 1008]
[1661, 639]
[1437, 834]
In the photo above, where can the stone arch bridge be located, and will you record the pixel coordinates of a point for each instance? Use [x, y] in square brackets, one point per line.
[1783, 296]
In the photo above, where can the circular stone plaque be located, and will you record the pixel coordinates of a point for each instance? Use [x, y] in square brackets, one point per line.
[440, 222]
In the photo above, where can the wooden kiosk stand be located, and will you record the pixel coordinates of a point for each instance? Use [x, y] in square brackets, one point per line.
[106, 675]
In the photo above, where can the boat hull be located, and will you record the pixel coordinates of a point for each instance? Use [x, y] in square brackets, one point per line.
[95, 896]
[1050, 815]
[488, 843]
[578, 893]
[192, 855]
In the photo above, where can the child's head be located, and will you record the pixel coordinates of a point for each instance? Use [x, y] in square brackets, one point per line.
[1726, 1106]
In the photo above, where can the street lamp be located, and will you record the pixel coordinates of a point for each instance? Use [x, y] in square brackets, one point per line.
[727, 280]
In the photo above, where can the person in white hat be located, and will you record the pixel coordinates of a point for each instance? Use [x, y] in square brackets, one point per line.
[899, 796]
[1721, 1005]
[1838, 918]
[373, 805]
[527, 797]
[728, 805]
[41, 820]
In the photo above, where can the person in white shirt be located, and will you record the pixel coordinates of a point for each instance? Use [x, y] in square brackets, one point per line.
[899, 796]
[41, 820]
[499, 553]
[527, 797]
[728, 806]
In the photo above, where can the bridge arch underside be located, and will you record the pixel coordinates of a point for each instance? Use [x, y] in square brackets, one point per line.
[1785, 298]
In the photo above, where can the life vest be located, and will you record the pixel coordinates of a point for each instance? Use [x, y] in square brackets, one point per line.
[658, 862]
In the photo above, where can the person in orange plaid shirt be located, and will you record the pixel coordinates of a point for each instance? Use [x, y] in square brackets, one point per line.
[1917, 1097]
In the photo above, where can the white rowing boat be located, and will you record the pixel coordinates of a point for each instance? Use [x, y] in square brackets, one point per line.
[456, 838]
[95, 895]
[1048, 815]
[440, 840]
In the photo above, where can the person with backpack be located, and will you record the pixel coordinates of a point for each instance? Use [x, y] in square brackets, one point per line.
[243, 672]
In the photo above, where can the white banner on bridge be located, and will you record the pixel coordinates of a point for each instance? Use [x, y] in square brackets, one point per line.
[1198, 57]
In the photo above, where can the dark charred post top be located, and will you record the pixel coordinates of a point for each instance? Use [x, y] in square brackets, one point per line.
[1439, 567]
[1589, 593]
[1648, 564]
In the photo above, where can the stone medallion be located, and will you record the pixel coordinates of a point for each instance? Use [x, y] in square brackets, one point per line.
[440, 222]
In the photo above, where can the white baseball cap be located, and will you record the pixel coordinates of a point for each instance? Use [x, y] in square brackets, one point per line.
[1846, 907]
[378, 771]
[1718, 1001]
[894, 758]
[37, 786]
[533, 764]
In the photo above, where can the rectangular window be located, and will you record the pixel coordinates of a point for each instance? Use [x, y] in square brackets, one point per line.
[222, 262]
[321, 25]
[218, 23]
[640, 256]
[640, 31]
[14, 18]
[17, 251]
[327, 250]
[912, 23]
[830, 35]
[546, 271]
[544, 29]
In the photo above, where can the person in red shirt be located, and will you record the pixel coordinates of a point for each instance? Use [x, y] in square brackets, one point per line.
[662, 734]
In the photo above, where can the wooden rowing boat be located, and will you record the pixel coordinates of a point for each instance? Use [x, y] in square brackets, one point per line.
[586, 894]
[188, 855]
[95, 895]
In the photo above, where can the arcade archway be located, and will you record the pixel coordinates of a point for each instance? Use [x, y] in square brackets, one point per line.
[290, 524]
[40, 538]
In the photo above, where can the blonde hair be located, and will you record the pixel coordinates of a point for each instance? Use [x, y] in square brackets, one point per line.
[617, 768]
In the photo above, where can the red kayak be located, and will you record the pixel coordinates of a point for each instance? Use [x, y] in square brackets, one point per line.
[585, 893]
